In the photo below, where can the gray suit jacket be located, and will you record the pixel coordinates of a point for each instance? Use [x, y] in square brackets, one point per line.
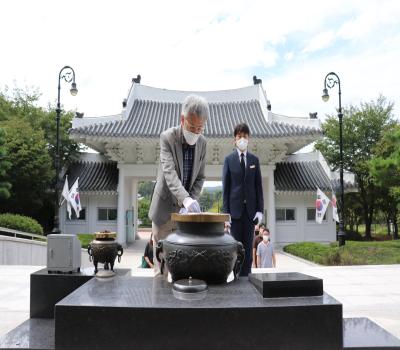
[169, 193]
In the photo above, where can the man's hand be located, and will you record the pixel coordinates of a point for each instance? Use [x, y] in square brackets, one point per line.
[259, 217]
[191, 205]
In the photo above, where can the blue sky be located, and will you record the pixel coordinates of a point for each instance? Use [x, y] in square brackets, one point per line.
[208, 45]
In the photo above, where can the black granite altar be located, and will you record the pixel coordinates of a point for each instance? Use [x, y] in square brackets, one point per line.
[363, 334]
[142, 313]
[286, 284]
[47, 289]
[33, 334]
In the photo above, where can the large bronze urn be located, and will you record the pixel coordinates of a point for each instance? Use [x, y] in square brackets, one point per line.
[200, 249]
[105, 249]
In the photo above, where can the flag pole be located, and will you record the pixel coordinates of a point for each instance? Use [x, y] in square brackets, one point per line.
[63, 199]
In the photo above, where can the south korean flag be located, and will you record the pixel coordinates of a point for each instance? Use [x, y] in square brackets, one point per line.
[321, 204]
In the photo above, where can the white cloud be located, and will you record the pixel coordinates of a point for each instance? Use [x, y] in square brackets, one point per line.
[363, 77]
[370, 19]
[288, 56]
[320, 41]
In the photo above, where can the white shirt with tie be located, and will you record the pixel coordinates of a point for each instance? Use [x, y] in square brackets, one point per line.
[244, 156]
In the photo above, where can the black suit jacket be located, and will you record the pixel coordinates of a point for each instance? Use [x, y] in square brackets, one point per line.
[236, 191]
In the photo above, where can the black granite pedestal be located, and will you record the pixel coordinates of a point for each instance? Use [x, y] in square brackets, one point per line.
[142, 313]
[286, 284]
[47, 289]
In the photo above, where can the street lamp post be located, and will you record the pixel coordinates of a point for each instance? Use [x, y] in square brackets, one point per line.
[68, 75]
[331, 80]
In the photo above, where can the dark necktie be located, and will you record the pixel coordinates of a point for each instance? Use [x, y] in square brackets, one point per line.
[242, 165]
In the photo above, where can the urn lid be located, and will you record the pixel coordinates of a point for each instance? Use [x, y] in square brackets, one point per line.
[105, 234]
[200, 217]
[190, 285]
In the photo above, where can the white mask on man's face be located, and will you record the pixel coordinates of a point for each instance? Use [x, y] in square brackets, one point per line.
[242, 144]
[190, 137]
[266, 238]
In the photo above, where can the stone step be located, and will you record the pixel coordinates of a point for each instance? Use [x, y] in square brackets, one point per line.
[363, 334]
[358, 334]
[33, 334]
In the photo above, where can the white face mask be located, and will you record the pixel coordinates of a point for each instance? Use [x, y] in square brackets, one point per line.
[242, 144]
[190, 137]
[266, 238]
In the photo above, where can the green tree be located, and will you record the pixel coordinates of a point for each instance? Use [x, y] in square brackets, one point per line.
[143, 211]
[385, 172]
[4, 166]
[353, 211]
[20, 106]
[363, 127]
[206, 200]
[31, 171]
[145, 189]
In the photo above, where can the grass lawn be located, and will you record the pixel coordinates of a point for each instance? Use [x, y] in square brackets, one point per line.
[353, 253]
[85, 239]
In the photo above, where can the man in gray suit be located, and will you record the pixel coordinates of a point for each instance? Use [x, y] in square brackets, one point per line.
[181, 172]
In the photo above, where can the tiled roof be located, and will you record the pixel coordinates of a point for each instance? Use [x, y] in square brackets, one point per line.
[150, 118]
[301, 176]
[289, 176]
[94, 176]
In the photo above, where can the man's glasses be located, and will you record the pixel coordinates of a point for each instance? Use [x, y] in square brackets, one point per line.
[194, 129]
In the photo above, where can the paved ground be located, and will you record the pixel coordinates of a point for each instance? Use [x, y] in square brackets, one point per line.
[365, 291]
[370, 291]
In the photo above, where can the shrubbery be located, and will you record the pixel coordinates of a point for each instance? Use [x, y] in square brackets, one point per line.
[20, 223]
[353, 253]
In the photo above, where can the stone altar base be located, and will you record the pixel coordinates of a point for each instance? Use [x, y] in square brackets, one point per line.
[142, 313]
[136, 312]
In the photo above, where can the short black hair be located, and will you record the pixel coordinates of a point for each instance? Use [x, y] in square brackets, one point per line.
[261, 225]
[241, 128]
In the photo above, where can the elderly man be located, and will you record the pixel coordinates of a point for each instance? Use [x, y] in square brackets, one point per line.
[181, 172]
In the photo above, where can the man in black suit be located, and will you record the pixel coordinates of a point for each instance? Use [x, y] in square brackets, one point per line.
[243, 193]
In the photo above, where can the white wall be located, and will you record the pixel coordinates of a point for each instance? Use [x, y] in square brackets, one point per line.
[91, 224]
[22, 251]
[303, 230]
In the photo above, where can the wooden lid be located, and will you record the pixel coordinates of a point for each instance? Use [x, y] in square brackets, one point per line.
[199, 217]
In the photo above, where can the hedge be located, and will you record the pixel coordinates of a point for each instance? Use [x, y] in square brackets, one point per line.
[20, 223]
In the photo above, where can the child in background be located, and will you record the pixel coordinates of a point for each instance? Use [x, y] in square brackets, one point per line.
[265, 252]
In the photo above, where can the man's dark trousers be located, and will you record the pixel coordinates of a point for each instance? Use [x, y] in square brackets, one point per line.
[243, 231]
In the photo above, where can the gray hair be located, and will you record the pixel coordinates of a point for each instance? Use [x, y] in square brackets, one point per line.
[194, 104]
